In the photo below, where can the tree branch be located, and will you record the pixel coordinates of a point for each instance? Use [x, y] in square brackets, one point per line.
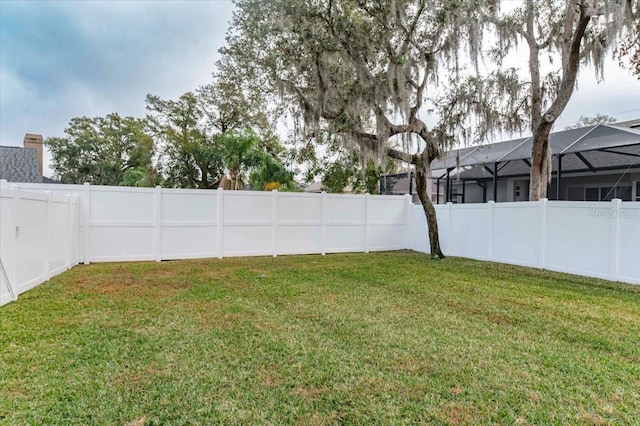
[401, 155]
[569, 76]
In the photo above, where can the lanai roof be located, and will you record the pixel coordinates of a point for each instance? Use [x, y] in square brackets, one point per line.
[594, 148]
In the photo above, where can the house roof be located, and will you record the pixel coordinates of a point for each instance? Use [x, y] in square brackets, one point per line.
[313, 187]
[598, 147]
[19, 164]
[630, 123]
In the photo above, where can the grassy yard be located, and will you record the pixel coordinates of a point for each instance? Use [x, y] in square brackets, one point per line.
[385, 338]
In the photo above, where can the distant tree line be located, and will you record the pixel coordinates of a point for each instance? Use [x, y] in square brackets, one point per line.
[213, 137]
[209, 138]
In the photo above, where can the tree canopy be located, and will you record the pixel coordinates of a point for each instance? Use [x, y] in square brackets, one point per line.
[212, 137]
[584, 121]
[200, 140]
[109, 150]
[190, 152]
[358, 71]
[560, 37]
[628, 51]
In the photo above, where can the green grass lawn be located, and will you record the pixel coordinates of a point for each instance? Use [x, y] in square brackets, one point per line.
[387, 338]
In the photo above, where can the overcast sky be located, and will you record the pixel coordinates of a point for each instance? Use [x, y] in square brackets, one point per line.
[64, 59]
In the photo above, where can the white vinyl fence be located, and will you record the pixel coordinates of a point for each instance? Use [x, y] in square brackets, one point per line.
[38, 238]
[594, 239]
[44, 233]
[127, 224]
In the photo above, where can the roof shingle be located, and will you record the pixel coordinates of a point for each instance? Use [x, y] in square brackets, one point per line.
[19, 164]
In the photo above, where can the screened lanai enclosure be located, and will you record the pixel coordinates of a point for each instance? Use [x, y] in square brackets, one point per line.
[594, 163]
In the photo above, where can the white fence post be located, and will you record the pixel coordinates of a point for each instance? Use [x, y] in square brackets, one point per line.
[274, 223]
[47, 238]
[158, 244]
[490, 206]
[367, 220]
[220, 221]
[614, 238]
[15, 226]
[543, 231]
[69, 233]
[449, 229]
[10, 281]
[86, 211]
[323, 224]
[77, 226]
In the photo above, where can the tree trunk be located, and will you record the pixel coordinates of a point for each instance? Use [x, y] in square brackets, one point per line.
[541, 165]
[235, 173]
[423, 169]
[540, 162]
[422, 162]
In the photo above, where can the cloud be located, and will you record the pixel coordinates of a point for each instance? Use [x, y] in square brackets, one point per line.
[64, 59]
[616, 96]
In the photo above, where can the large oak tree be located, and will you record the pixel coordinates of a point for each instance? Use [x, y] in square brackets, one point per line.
[360, 71]
[212, 137]
[557, 37]
[110, 150]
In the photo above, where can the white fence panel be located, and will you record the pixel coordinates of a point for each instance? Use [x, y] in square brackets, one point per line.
[444, 221]
[593, 239]
[122, 224]
[345, 226]
[387, 223]
[517, 230]
[247, 223]
[469, 235]
[8, 255]
[419, 231]
[299, 223]
[577, 240]
[189, 224]
[147, 224]
[64, 189]
[120, 205]
[38, 236]
[628, 261]
[73, 230]
[31, 249]
[58, 235]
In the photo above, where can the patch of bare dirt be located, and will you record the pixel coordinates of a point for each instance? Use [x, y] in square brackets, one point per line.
[458, 413]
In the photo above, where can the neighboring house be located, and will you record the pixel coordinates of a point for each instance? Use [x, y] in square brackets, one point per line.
[23, 164]
[593, 163]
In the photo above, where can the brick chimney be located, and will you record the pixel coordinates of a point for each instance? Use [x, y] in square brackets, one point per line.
[35, 141]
